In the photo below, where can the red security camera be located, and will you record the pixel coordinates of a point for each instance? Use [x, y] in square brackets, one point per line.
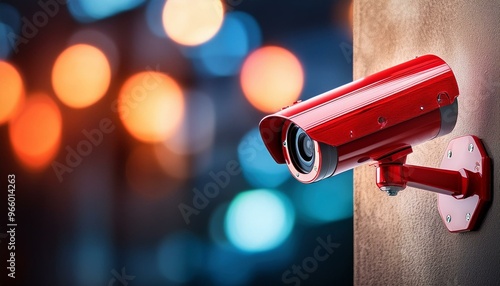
[378, 119]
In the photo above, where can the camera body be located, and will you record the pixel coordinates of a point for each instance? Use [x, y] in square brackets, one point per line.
[366, 120]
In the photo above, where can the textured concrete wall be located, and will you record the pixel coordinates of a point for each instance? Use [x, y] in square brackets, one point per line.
[401, 240]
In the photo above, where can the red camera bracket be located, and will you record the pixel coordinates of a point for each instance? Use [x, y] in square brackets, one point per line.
[462, 181]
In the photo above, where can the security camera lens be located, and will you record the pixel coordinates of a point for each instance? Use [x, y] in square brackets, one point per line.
[306, 147]
[301, 149]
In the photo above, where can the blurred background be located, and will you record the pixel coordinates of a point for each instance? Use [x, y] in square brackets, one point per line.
[131, 128]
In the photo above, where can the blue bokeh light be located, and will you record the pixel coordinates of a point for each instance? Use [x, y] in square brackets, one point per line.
[223, 55]
[10, 16]
[228, 267]
[259, 168]
[325, 201]
[91, 258]
[86, 11]
[5, 44]
[153, 15]
[180, 257]
[259, 220]
[10, 24]
[216, 226]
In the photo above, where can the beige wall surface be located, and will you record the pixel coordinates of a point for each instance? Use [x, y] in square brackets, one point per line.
[401, 240]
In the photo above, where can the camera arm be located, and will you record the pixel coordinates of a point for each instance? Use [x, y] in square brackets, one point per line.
[462, 181]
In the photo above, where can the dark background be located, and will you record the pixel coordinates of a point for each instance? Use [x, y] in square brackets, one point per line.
[110, 215]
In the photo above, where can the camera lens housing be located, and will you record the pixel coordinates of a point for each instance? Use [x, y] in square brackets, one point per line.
[306, 158]
[301, 149]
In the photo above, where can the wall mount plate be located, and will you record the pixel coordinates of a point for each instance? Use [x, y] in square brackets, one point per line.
[468, 153]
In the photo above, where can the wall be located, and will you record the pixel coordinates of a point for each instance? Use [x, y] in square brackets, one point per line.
[401, 240]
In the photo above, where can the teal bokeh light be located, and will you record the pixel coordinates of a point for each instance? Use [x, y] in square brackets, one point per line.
[259, 168]
[224, 54]
[85, 11]
[259, 220]
[325, 201]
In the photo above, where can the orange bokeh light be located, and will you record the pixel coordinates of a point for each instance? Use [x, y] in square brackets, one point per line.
[81, 75]
[146, 176]
[173, 164]
[192, 22]
[151, 106]
[272, 77]
[35, 133]
[11, 91]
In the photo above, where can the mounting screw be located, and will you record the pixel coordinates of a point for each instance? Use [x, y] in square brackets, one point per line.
[448, 218]
[441, 96]
[467, 217]
[315, 168]
[284, 143]
[297, 175]
[391, 191]
[471, 147]
[450, 153]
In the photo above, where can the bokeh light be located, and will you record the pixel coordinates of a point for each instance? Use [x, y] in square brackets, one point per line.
[10, 15]
[153, 17]
[81, 75]
[325, 201]
[100, 40]
[259, 220]
[11, 91]
[180, 257]
[35, 133]
[216, 226]
[5, 41]
[174, 164]
[228, 266]
[151, 106]
[223, 55]
[259, 168]
[197, 131]
[91, 10]
[271, 78]
[10, 23]
[192, 22]
[92, 256]
[147, 176]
